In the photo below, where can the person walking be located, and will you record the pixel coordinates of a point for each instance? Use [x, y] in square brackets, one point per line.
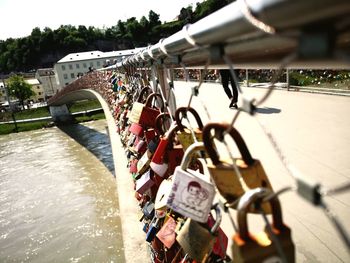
[226, 77]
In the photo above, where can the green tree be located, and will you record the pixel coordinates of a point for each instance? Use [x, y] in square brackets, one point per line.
[19, 89]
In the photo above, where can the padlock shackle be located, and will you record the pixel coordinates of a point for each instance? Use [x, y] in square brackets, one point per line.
[236, 136]
[183, 111]
[160, 121]
[143, 92]
[190, 151]
[151, 97]
[170, 134]
[218, 219]
[249, 198]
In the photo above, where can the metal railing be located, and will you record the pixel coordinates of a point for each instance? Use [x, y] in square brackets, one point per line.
[258, 34]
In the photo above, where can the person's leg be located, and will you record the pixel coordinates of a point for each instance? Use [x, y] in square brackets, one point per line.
[225, 77]
[234, 88]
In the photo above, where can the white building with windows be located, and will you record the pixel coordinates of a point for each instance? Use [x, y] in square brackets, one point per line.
[74, 65]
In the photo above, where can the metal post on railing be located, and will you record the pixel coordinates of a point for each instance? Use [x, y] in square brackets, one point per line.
[247, 77]
[287, 78]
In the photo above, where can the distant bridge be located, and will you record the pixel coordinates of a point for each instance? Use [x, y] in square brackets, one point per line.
[91, 86]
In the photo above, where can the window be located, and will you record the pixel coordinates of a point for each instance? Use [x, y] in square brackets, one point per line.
[70, 66]
[98, 63]
[77, 65]
[39, 93]
[37, 87]
[91, 64]
[65, 76]
[72, 75]
[63, 67]
[84, 65]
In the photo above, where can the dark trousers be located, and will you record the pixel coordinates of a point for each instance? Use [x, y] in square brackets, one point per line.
[225, 79]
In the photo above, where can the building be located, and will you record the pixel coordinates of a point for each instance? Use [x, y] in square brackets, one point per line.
[47, 79]
[38, 90]
[74, 65]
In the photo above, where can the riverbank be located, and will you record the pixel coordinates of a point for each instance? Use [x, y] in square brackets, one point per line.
[43, 112]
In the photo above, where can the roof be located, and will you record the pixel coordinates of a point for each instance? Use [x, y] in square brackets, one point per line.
[32, 81]
[97, 54]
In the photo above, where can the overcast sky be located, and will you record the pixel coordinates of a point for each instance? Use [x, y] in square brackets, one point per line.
[19, 17]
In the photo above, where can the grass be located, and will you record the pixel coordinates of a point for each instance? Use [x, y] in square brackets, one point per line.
[44, 112]
[84, 105]
[9, 128]
[26, 114]
[94, 117]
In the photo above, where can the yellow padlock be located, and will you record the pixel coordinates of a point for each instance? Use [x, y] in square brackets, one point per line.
[185, 135]
[226, 180]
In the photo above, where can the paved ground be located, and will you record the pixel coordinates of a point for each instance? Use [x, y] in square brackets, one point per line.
[313, 132]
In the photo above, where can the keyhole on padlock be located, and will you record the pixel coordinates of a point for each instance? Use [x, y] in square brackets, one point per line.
[161, 198]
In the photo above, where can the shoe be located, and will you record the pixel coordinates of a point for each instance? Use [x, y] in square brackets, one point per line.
[233, 105]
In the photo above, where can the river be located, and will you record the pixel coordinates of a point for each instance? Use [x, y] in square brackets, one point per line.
[58, 199]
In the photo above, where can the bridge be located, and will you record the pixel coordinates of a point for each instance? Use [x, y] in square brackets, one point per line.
[311, 130]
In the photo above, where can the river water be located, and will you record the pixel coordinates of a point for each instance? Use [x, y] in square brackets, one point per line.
[58, 199]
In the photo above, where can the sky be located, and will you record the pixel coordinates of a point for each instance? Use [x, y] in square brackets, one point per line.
[19, 17]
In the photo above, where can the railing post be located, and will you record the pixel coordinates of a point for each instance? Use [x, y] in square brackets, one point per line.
[247, 77]
[166, 88]
[287, 78]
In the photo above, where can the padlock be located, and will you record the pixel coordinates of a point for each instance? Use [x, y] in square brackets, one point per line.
[220, 246]
[145, 182]
[162, 196]
[196, 240]
[137, 106]
[166, 154]
[143, 94]
[144, 114]
[136, 129]
[184, 135]
[145, 227]
[147, 211]
[167, 233]
[144, 162]
[133, 166]
[139, 148]
[153, 145]
[192, 193]
[222, 172]
[249, 248]
[155, 225]
[150, 134]
[163, 123]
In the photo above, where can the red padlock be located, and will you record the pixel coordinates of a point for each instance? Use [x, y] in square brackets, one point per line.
[145, 114]
[133, 166]
[136, 129]
[167, 155]
[150, 134]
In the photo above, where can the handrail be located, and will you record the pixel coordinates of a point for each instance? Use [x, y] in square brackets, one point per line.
[247, 44]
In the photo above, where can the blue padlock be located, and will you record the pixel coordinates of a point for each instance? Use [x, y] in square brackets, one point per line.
[153, 229]
[145, 227]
